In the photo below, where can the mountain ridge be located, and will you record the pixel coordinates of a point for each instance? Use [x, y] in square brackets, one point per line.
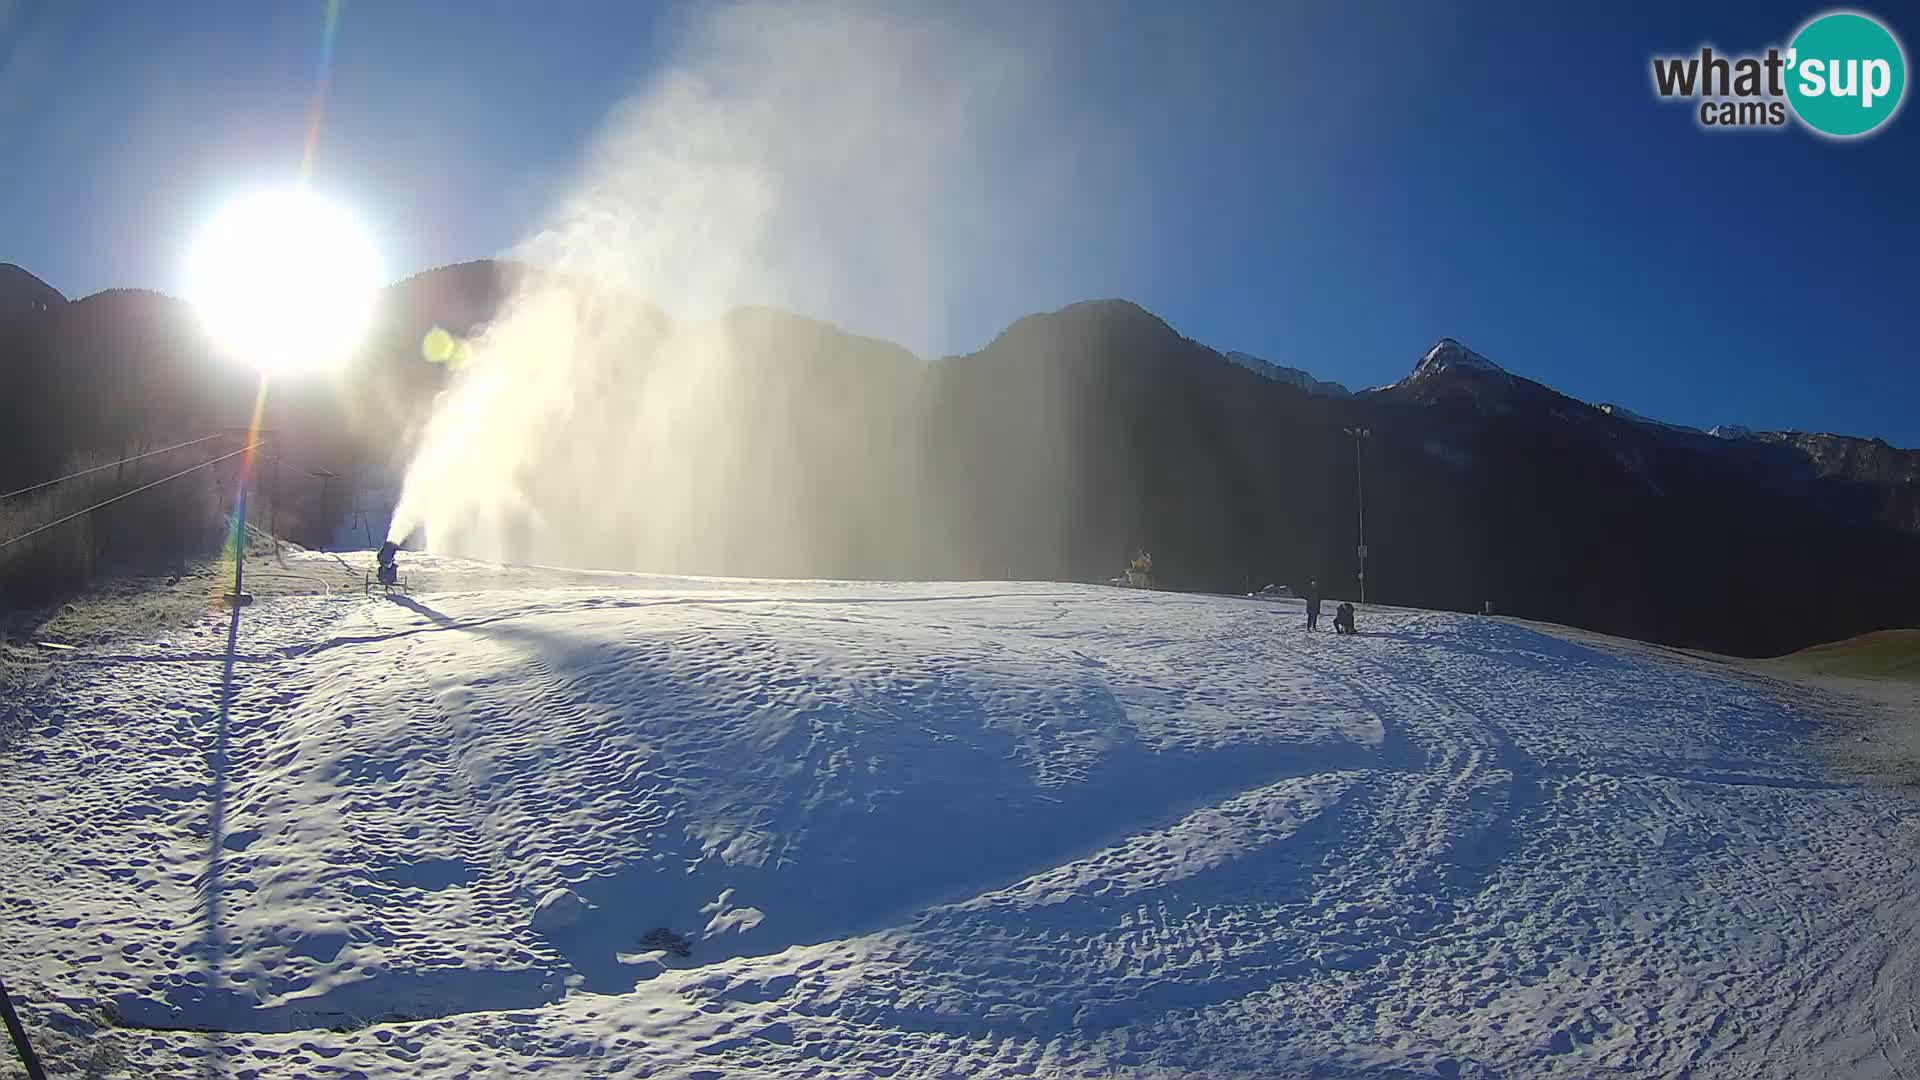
[1447, 354]
[21, 293]
[1074, 438]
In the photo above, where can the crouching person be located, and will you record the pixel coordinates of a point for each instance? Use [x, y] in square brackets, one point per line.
[1343, 619]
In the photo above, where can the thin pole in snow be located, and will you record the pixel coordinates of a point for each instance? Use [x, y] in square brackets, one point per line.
[19, 1035]
[1360, 487]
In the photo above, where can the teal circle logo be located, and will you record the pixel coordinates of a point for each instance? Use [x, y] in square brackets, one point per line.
[1846, 74]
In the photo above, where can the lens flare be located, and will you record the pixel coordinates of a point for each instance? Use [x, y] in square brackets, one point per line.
[437, 346]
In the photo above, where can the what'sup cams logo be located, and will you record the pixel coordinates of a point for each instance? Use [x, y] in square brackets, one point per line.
[1843, 76]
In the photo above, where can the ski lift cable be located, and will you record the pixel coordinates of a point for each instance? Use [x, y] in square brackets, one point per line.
[109, 465]
[125, 494]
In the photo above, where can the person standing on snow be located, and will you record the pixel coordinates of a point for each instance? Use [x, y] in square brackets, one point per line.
[1313, 604]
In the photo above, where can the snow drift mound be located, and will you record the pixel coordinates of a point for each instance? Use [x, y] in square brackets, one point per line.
[932, 830]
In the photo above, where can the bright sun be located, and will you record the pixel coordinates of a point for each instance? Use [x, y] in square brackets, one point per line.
[284, 279]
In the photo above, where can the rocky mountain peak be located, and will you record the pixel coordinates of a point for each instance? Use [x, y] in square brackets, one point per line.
[1449, 355]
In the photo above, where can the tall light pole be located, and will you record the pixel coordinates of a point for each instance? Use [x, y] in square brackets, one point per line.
[251, 439]
[1361, 434]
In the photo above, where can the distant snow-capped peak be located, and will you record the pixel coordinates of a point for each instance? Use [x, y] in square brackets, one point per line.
[1449, 355]
[1290, 375]
[1621, 412]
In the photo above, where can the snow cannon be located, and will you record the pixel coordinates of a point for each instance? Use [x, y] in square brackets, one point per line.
[388, 573]
[389, 563]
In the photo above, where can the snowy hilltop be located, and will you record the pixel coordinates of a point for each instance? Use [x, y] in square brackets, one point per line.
[1449, 355]
[1621, 412]
[616, 825]
[1290, 375]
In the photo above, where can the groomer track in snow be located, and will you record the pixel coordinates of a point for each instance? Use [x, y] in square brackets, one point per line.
[969, 830]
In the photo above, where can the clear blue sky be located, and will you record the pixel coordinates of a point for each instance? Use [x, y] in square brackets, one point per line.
[1330, 185]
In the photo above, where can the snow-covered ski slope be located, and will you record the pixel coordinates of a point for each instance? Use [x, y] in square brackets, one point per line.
[959, 830]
